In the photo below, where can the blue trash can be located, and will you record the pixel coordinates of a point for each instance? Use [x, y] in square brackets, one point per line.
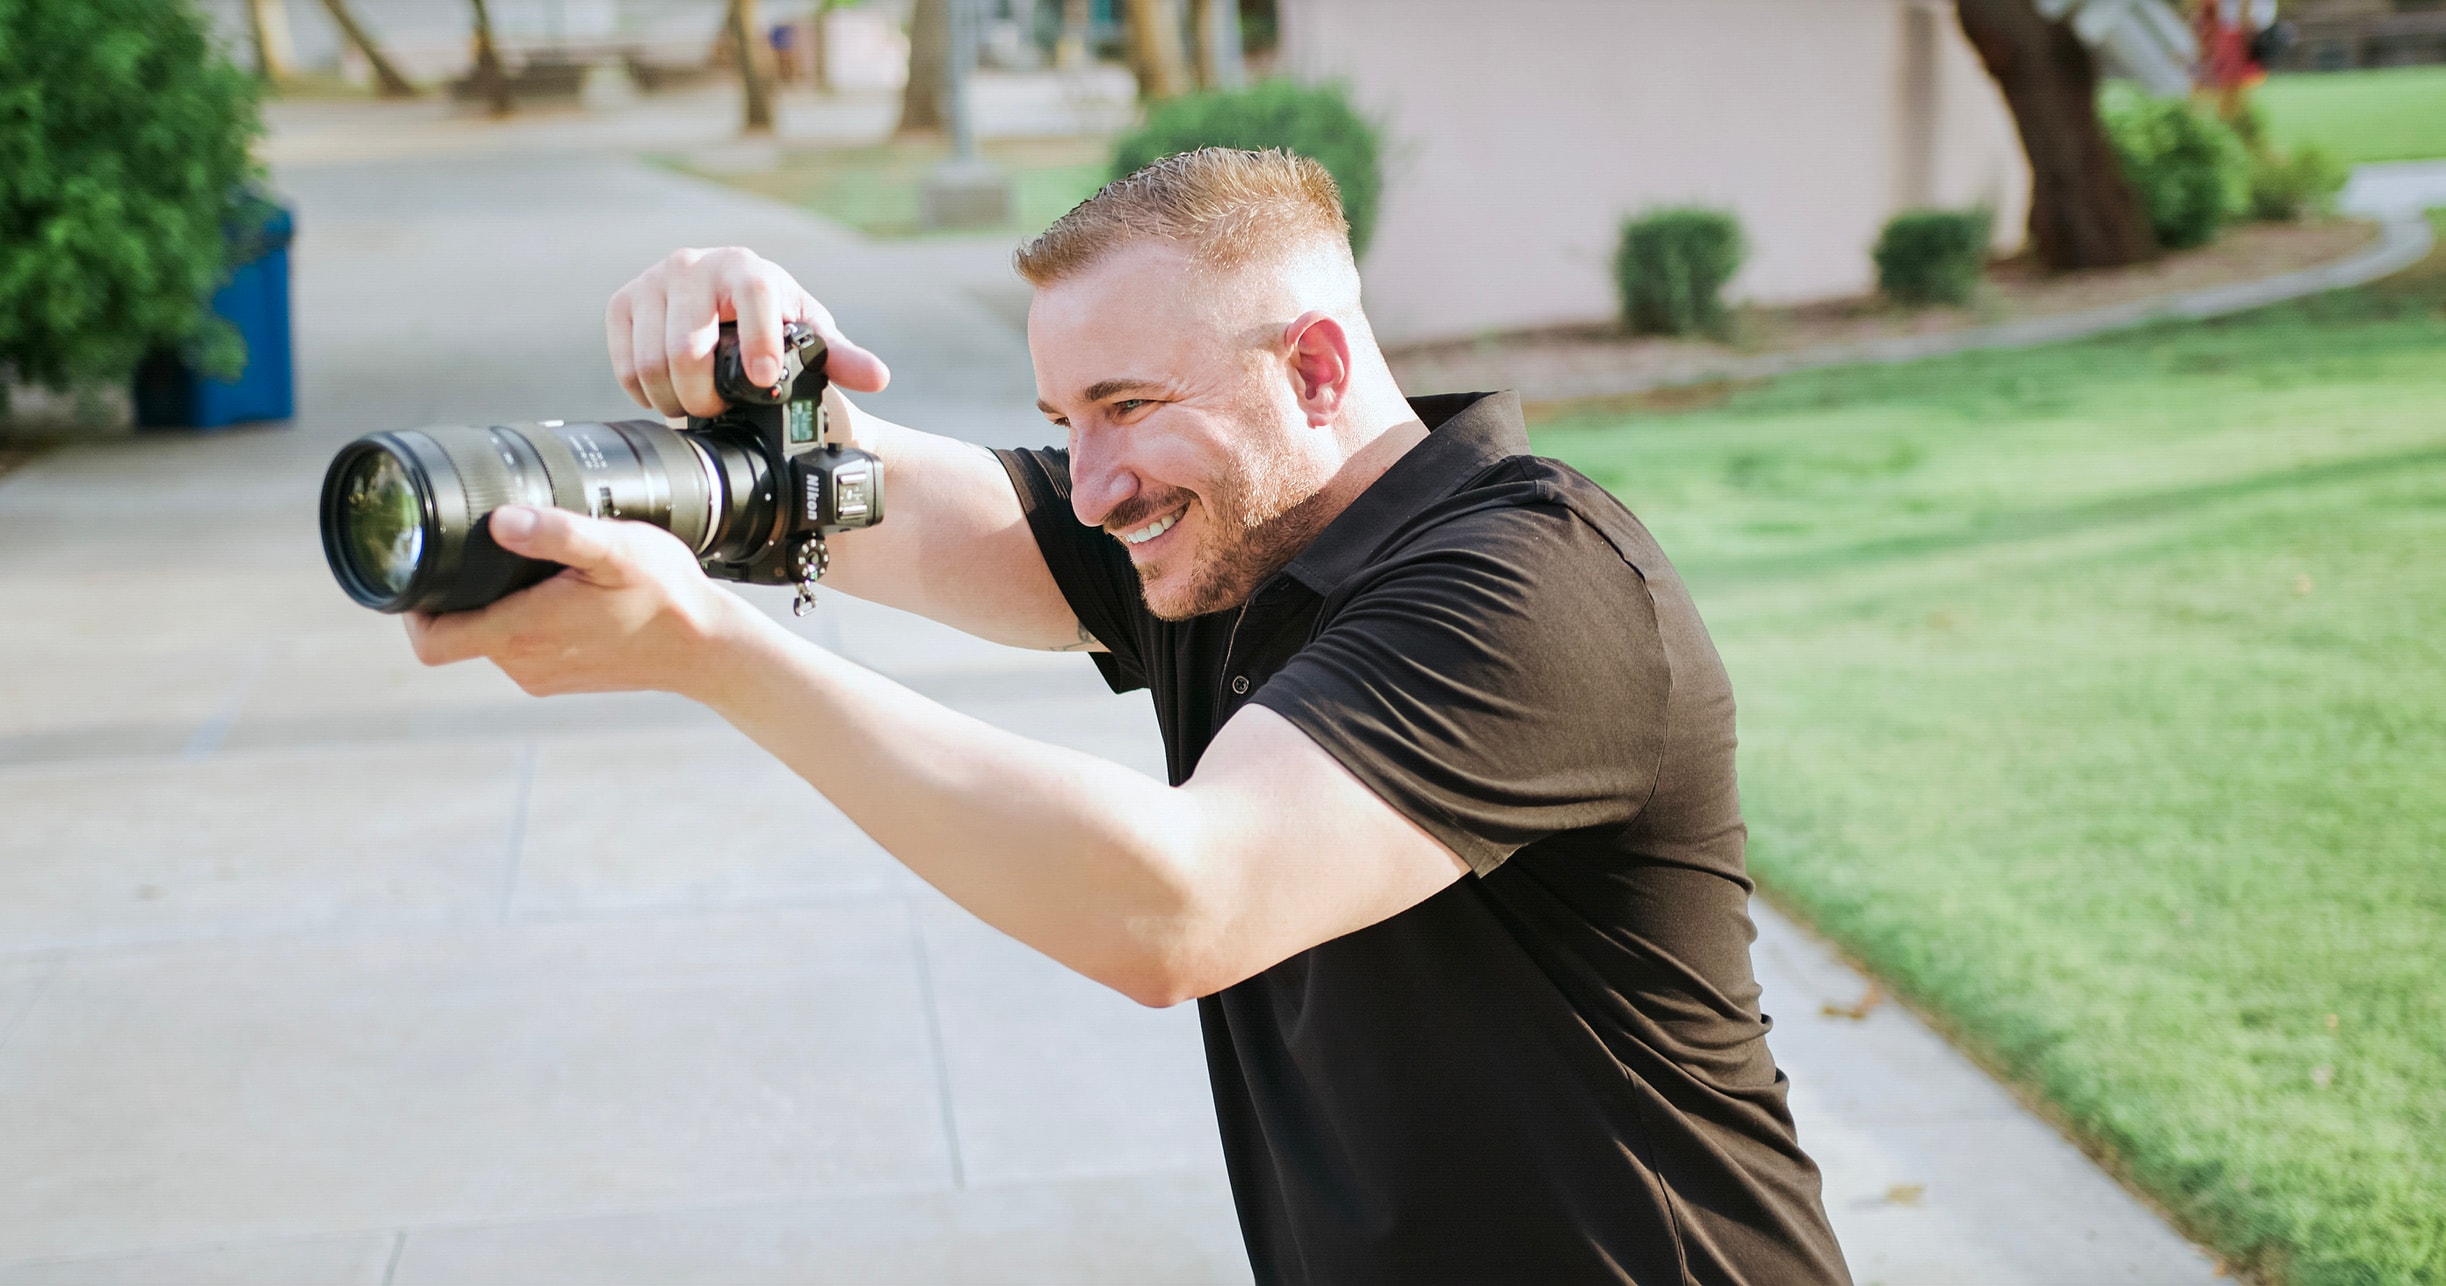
[172, 394]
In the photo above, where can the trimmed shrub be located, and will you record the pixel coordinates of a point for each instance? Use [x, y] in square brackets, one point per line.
[2190, 169]
[1314, 121]
[1933, 256]
[2295, 186]
[123, 160]
[1671, 269]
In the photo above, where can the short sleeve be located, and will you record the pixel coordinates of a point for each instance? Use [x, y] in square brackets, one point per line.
[1502, 682]
[1091, 568]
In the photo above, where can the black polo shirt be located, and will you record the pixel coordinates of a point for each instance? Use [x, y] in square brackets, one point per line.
[1554, 1070]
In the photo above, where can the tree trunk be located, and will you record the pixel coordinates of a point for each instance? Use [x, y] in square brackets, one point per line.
[1155, 49]
[490, 75]
[1070, 53]
[1217, 23]
[819, 48]
[755, 66]
[386, 76]
[921, 101]
[275, 56]
[2083, 213]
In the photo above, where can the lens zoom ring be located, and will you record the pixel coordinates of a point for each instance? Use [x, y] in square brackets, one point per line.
[483, 475]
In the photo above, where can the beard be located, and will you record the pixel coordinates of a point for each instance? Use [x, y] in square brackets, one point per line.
[1259, 515]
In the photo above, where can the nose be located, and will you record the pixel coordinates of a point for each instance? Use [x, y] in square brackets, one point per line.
[1100, 479]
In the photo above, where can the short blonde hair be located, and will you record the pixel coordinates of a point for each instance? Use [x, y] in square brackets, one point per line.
[1226, 206]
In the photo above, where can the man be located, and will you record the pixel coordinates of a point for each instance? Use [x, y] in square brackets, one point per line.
[1451, 856]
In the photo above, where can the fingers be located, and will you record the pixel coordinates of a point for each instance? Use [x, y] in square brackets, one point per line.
[447, 639]
[692, 321]
[651, 361]
[845, 363]
[661, 329]
[758, 310]
[619, 323]
[590, 545]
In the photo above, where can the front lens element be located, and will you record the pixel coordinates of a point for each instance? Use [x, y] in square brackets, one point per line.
[382, 522]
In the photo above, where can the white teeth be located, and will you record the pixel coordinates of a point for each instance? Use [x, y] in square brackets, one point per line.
[1151, 530]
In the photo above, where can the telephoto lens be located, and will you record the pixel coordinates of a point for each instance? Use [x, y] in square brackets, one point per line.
[752, 491]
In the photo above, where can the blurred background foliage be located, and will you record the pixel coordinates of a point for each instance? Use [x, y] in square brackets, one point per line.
[124, 136]
[1315, 121]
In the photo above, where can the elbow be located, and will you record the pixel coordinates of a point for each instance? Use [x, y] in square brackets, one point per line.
[1159, 978]
[1161, 987]
[1175, 942]
[1166, 969]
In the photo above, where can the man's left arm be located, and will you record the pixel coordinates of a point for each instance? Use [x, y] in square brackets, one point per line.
[1162, 893]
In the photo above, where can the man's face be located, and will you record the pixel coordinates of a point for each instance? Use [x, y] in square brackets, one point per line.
[1188, 441]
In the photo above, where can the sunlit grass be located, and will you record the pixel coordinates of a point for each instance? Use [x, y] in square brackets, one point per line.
[874, 188]
[2386, 114]
[2096, 697]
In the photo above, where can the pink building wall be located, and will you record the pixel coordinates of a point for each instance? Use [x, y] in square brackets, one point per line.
[1521, 133]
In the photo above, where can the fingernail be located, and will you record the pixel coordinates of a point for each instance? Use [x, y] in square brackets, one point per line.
[513, 522]
[764, 370]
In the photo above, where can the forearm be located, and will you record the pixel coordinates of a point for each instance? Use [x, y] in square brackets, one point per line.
[954, 545]
[1082, 859]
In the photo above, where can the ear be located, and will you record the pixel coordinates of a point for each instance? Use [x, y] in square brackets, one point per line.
[1318, 353]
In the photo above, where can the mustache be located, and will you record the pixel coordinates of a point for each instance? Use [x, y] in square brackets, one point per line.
[1139, 510]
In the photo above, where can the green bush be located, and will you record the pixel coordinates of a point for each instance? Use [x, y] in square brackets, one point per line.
[2190, 169]
[1671, 269]
[1315, 121]
[1933, 256]
[123, 155]
[2295, 186]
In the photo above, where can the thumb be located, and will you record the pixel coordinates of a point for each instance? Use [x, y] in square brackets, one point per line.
[555, 536]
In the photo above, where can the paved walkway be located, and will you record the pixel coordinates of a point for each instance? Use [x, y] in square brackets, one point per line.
[317, 966]
[2396, 188]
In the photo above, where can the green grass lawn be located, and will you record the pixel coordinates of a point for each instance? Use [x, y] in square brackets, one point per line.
[2095, 697]
[873, 188]
[2390, 114]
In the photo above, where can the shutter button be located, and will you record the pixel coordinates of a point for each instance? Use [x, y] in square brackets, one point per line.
[1239, 685]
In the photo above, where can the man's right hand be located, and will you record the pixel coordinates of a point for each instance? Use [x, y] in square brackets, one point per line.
[662, 326]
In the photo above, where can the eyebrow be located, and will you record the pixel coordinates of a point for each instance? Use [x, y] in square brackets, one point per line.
[1103, 389]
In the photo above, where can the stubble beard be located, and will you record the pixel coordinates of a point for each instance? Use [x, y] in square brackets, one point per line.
[1258, 518]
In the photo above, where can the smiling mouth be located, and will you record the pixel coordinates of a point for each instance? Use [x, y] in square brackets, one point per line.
[1153, 529]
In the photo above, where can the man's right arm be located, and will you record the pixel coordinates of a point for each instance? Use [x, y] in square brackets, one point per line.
[955, 545]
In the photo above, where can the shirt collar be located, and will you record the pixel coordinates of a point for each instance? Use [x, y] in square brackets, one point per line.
[1466, 432]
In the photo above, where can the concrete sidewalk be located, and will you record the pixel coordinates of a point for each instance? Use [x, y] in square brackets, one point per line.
[317, 966]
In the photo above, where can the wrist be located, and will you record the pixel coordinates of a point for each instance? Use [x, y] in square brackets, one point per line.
[734, 646]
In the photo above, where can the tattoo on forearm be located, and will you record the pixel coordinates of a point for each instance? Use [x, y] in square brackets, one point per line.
[1087, 642]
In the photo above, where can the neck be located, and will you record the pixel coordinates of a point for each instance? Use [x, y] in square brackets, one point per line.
[1391, 429]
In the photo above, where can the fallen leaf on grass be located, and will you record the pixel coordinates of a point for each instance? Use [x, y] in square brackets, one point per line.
[1870, 999]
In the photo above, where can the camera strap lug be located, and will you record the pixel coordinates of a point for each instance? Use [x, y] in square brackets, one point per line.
[812, 558]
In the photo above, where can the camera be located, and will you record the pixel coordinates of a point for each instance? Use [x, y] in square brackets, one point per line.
[753, 491]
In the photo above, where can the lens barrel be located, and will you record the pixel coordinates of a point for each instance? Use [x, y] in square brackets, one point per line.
[404, 512]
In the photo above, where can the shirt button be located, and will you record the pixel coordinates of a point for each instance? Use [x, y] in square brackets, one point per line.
[1239, 685]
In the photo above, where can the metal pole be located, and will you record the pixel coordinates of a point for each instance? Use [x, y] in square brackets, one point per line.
[963, 15]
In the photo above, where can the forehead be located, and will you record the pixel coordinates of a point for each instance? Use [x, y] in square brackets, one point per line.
[1146, 309]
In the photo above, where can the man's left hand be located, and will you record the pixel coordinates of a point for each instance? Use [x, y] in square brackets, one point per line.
[632, 611]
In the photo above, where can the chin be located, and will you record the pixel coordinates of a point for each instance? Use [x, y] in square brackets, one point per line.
[1180, 593]
[1172, 598]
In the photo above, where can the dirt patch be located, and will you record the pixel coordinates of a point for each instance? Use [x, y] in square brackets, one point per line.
[2015, 290]
[13, 456]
